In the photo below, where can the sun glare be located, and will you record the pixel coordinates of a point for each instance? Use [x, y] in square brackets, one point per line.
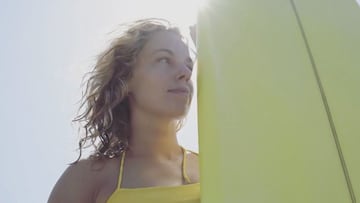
[201, 4]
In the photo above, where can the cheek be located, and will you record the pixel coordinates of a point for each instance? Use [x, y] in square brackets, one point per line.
[153, 84]
[144, 79]
[150, 88]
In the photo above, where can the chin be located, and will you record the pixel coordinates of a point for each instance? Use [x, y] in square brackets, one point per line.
[178, 114]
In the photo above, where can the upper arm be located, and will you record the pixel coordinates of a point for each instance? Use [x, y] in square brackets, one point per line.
[76, 185]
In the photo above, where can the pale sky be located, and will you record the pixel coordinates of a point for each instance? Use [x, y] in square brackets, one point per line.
[46, 47]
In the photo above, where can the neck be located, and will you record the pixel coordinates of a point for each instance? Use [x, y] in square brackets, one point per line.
[153, 137]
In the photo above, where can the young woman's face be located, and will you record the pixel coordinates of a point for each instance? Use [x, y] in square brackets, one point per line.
[161, 82]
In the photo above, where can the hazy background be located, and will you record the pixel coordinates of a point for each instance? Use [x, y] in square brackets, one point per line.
[46, 47]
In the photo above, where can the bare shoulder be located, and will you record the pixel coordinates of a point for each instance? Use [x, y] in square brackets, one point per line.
[78, 183]
[193, 166]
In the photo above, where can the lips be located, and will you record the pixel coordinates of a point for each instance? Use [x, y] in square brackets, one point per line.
[183, 90]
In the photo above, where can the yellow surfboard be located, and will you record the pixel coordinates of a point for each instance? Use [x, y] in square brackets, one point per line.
[279, 101]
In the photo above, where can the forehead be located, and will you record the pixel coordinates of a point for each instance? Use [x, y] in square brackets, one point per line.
[166, 40]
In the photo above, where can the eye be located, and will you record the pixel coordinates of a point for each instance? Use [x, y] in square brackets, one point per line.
[189, 63]
[164, 60]
[190, 67]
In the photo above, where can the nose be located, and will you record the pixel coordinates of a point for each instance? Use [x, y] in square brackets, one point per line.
[184, 73]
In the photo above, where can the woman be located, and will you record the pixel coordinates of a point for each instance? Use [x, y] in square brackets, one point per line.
[136, 96]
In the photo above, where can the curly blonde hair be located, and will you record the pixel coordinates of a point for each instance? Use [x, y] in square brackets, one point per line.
[105, 106]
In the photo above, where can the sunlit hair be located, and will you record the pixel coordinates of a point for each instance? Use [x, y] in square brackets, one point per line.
[105, 107]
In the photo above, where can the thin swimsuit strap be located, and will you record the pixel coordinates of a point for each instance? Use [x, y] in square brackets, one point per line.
[184, 174]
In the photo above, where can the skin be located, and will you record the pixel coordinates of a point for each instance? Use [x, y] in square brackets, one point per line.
[154, 157]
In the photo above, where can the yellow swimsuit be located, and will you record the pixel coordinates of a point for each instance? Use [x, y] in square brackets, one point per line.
[188, 193]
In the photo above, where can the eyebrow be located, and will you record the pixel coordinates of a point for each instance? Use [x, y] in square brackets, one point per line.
[165, 50]
[171, 53]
